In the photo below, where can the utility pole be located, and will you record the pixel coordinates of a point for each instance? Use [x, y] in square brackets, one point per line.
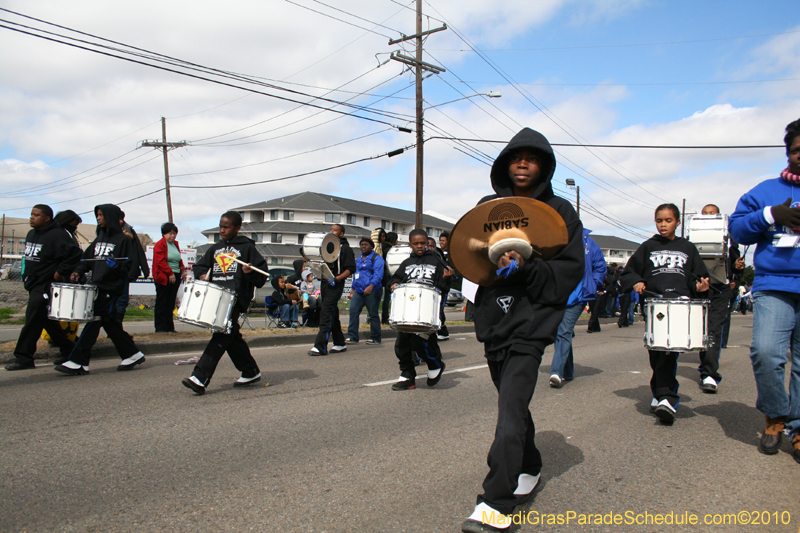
[419, 65]
[571, 185]
[165, 146]
[3, 238]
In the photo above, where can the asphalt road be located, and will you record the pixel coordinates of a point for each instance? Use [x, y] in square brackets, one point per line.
[328, 447]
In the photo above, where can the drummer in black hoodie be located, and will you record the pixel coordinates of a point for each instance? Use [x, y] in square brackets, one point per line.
[424, 267]
[241, 279]
[50, 255]
[107, 257]
[516, 321]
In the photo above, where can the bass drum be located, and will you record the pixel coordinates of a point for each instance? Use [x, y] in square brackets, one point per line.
[396, 255]
[321, 247]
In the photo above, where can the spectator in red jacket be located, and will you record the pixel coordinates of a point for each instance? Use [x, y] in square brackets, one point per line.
[167, 271]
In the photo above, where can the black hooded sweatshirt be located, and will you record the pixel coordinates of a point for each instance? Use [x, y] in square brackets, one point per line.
[425, 269]
[47, 251]
[662, 264]
[232, 277]
[525, 312]
[110, 243]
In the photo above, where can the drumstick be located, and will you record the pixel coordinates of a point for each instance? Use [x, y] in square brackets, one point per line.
[653, 293]
[243, 263]
[104, 258]
[700, 279]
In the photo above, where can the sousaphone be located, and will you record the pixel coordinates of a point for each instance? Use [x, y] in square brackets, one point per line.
[529, 227]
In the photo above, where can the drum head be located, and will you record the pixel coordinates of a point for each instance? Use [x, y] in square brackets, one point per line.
[485, 226]
[329, 250]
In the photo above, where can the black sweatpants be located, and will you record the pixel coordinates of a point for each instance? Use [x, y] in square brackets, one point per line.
[664, 382]
[106, 308]
[513, 451]
[427, 349]
[165, 304]
[329, 325]
[595, 306]
[718, 312]
[36, 320]
[237, 349]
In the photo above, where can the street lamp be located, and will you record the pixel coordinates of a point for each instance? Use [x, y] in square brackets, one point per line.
[571, 185]
[491, 94]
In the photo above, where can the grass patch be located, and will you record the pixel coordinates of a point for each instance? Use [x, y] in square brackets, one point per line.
[6, 312]
[139, 314]
[7, 316]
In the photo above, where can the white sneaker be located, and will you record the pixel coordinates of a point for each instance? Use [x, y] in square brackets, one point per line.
[243, 381]
[525, 485]
[709, 385]
[484, 514]
[665, 412]
[555, 381]
[653, 405]
[338, 349]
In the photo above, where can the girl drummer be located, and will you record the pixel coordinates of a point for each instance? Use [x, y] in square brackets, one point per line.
[666, 266]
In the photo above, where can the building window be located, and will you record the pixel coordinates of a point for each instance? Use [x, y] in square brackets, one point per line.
[366, 221]
[385, 224]
[257, 237]
[333, 218]
[276, 238]
[11, 240]
[394, 226]
[429, 231]
[22, 241]
[351, 219]
[273, 215]
[300, 237]
[288, 215]
[274, 261]
[215, 237]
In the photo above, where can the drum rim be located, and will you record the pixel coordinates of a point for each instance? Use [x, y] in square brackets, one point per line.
[414, 285]
[188, 284]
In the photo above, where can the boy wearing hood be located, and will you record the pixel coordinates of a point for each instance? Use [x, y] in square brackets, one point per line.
[107, 258]
[217, 267]
[50, 255]
[516, 321]
[424, 267]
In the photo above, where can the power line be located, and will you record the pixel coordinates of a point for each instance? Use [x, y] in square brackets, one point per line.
[653, 146]
[356, 16]
[340, 20]
[129, 200]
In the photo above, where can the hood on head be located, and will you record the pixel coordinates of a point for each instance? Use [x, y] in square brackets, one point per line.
[274, 281]
[297, 264]
[526, 138]
[111, 214]
[305, 274]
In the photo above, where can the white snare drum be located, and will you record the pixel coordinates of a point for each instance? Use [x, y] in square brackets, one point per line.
[321, 247]
[415, 308]
[396, 255]
[207, 305]
[676, 325]
[72, 303]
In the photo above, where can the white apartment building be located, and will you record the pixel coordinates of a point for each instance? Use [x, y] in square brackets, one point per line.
[278, 226]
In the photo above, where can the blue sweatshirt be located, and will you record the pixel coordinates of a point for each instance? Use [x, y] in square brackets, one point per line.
[369, 271]
[777, 269]
[593, 274]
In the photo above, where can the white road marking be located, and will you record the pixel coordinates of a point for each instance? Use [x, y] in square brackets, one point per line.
[465, 369]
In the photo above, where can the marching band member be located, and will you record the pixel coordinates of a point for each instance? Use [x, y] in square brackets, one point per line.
[671, 267]
[107, 257]
[516, 320]
[50, 255]
[218, 267]
[423, 267]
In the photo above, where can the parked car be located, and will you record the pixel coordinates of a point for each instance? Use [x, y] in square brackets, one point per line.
[454, 298]
[266, 290]
[3, 270]
[13, 272]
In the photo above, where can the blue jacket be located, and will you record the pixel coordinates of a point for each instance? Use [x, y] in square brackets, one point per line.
[777, 269]
[369, 271]
[594, 272]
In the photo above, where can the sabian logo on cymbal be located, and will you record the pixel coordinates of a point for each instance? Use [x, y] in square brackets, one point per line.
[505, 216]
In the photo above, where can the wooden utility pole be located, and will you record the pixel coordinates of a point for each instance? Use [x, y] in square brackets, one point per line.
[419, 67]
[683, 216]
[2, 238]
[164, 145]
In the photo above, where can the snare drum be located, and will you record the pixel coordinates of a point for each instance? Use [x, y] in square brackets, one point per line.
[207, 305]
[709, 233]
[72, 303]
[676, 325]
[396, 255]
[321, 247]
[415, 308]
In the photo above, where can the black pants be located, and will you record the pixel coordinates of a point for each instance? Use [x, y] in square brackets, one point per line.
[718, 313]
[595, 306]
[513, 451]
[329, 325]
[726, 327]
[427, 349]
[385, 308]
[165, 304]
[106, 308]
[664, 383]
[36, 320]
[237, 349]
[624, 303]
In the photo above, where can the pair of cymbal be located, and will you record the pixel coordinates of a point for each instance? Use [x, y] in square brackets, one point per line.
[527, 226]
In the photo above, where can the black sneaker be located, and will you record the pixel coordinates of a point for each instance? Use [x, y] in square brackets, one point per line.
[72, 371]
[432, 381]
[61, 360]
[19, 366]
[405, 384]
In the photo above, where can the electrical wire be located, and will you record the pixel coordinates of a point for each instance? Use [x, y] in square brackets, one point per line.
[340, 20]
